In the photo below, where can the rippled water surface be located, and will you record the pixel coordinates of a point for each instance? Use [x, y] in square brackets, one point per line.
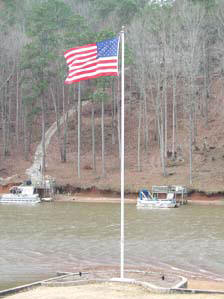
[37, 241]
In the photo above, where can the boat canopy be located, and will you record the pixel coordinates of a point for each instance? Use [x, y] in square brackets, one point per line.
[144, 194]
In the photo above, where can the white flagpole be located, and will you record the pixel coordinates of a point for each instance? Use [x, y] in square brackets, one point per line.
[122, 154]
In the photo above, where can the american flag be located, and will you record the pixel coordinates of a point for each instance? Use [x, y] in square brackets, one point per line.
[92, 61]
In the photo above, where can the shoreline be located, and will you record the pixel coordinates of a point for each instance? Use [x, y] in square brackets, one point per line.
[82, 197]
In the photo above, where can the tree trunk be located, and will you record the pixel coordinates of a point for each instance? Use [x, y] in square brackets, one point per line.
[174, 115]
[65, 121]
[57, 123]
[165, 114]
[119, 120]
[161, 139]
[43, 164]
[4, 121]
[139, 136]
[17, 108]
[93, 138]
[160, 125]
[102, 133]
[79, 128]
[146, 123]
[193, 110]
[64, 150]
[29, 138]
[206, 80]
[9, 139]
[25, 133]
[190, 146]
[113, 111]
[195, 131]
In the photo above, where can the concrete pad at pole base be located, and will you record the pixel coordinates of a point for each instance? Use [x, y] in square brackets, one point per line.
[119, 279]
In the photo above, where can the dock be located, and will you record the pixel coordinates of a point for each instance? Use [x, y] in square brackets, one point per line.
[45, 188]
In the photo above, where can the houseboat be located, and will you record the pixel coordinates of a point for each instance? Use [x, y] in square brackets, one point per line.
[21, 194]
[146, 200]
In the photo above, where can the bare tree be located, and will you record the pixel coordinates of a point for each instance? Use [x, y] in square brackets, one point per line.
[192, 17]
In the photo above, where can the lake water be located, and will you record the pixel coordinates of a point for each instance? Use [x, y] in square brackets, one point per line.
[36, 241]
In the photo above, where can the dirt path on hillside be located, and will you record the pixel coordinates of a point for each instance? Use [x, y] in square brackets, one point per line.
[34, 172]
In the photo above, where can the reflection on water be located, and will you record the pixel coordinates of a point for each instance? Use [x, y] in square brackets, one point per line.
[37, 241]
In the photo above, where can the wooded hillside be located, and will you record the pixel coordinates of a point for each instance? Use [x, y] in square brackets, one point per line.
[174, 92]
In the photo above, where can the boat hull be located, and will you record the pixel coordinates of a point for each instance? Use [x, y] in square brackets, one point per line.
[156, 204]
[21, 194]
[10, 198]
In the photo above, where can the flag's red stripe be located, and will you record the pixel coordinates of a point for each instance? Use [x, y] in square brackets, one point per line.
[83, 63]
[92, 77]
[91, 71]
[81, 47]
[81, 58]
[80, 53]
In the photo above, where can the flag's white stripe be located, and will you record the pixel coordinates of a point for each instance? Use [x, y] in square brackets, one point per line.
[72, 66]
[91, 74]
[77, 57]
[83, 65]
[84, 60]
[92, 68]
[80, 59]
[79, 50]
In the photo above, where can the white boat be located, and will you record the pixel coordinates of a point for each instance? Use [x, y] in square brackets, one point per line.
[46, 199]
[146, 200]
[21, 194]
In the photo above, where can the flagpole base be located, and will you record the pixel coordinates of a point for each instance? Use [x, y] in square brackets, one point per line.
[119, 279]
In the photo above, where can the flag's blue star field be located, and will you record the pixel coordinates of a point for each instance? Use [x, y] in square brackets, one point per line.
[107, 48]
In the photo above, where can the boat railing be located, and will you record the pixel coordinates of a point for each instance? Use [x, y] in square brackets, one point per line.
[179, 192]
[160, 189]
[170, 188]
